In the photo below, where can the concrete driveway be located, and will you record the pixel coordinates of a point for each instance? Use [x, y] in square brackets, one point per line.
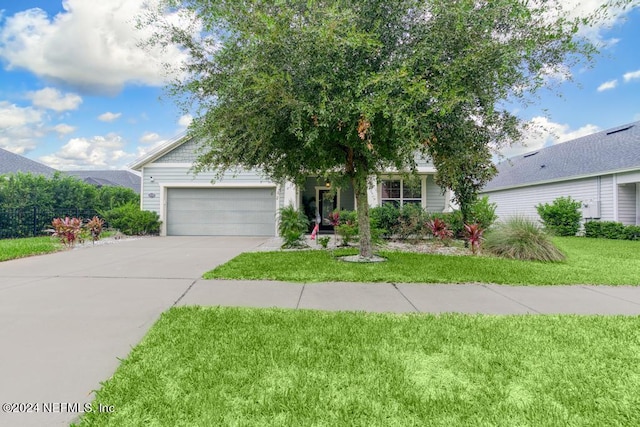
[66, 318]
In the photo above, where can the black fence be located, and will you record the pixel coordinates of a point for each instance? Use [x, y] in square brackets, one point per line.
[32, 222]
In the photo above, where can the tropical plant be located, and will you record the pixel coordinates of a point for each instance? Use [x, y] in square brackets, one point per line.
[483, 212]
[439, 229]
[562, 217]
[67, 230]
[94, 226]
[473, 234]
[346, 225]
[292, 226]
[520, 238]
[324, 241]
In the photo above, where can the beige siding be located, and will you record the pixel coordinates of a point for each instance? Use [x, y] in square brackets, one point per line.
[627, 204]
[523, 201]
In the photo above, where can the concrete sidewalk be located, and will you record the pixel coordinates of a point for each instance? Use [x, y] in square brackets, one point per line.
[426, 298]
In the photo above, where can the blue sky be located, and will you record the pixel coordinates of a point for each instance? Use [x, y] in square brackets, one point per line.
[76, 92]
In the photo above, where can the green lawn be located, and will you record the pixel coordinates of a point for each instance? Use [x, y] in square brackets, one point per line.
[589, 261]
[251, 367]
[20, 248]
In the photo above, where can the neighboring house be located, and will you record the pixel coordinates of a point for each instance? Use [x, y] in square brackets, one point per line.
[14, 163]
[116, 178]
[246, 202]
[601, 170]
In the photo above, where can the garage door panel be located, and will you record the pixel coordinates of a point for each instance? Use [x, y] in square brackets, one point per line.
[221, 211]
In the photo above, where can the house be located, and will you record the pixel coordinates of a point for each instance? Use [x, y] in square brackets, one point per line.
[14, 163]
[116, 178]
[246, 202]
[601, 170]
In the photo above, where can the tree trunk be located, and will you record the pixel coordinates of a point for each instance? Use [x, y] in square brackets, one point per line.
[359, 183]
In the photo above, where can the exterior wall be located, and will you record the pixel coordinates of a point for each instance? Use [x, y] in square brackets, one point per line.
[627, 204]
[185, 153]
[423, 161]
[523, 201]
[165, 175]
[435, 197]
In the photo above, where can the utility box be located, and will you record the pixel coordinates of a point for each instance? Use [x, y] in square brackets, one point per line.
[591, 209]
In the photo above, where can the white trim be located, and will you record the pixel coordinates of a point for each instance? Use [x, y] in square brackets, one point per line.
[568, 178]
[615, 197]
[142, 189]
[170, 164]
[372, 193]
[159, 151]
[637, 203]
[291, 195]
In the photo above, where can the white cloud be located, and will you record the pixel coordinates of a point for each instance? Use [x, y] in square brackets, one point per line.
[13, 116]
[19, 127]
[64, 129]
[53, 99]
[109, 117]
[149, 137]
[185, 120]
[542, 132]
[583, 8]
[611, 84]
[91, 46]
[631, 76]
[81, 153]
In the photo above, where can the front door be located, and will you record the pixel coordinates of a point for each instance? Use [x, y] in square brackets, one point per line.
[327, 204]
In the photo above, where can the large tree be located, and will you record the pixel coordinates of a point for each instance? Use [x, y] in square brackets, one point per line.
[344, 89]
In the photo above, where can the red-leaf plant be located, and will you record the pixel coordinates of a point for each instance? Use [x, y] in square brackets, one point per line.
[95, 227]
[439, 229]
[67, 229]
[473, 234]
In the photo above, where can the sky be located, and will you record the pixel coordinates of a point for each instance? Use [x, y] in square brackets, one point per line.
[78, 92]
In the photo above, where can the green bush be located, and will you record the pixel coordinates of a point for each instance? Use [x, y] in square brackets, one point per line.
[611, 230]
[347, 228]
[385, 218]
[292, 226]
[562, 217]
[452, 219]
[521, 238]
[483, 213]
[131, 220]
[411, 223]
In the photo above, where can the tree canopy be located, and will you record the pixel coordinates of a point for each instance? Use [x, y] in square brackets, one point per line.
[347, 88]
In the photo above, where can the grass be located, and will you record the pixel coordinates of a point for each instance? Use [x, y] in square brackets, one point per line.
[588, 261]
[228, 366]
[20, 248]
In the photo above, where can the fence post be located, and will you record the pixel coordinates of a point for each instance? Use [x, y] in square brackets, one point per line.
[35, 220]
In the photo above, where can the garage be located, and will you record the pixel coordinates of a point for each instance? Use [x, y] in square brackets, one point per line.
[221, 211]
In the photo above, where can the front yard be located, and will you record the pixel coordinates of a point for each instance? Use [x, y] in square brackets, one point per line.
[229, 366]
[20, 248]
[589, 261]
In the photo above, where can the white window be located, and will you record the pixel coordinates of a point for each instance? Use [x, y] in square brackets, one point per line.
[400, 192]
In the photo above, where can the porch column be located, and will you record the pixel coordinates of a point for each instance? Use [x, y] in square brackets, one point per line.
[372, 191]
[291, 195]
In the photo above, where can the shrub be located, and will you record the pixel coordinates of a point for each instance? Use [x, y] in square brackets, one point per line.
[562, 217]
[439, 229]
[521, 238]
[94, 227]
[293, 224]
[611, 230]
[483, 213]
[385, 218]
[324, 241]
[411, 222]
[473, 235]
[67, 229]
[346, 225]
[131, 220]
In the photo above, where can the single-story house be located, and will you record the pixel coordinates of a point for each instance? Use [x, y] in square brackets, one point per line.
[115, 178]
[14, 163]
[601, 170]
[246, 202]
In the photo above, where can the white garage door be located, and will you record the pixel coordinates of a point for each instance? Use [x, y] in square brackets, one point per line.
[221, 211]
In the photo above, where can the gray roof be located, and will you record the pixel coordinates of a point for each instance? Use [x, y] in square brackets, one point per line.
[609, 151]
[121, 178]
[14, 163]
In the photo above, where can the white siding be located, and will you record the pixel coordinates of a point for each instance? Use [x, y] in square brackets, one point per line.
[627, 204]
[435, 197]
[523, 201]
[606, 198]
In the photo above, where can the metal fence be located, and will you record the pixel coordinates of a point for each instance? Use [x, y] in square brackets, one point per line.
[32, 222]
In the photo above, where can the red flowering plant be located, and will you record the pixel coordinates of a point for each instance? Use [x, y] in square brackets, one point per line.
[473, 234]
[67, 229]
[440, 230]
